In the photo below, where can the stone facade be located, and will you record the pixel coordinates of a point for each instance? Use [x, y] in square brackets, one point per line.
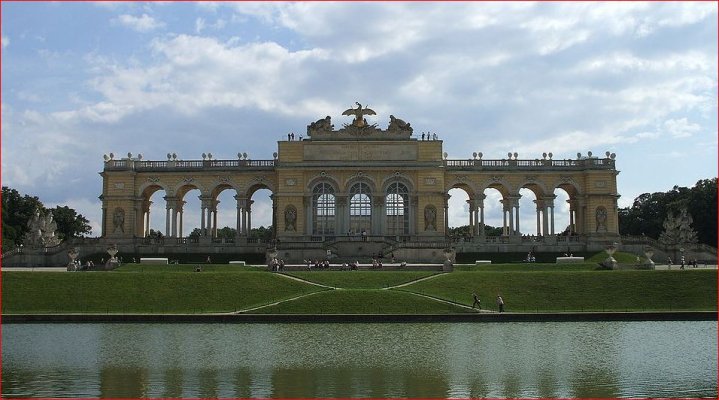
[336, 183]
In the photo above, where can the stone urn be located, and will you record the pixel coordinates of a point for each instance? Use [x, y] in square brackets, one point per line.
[448, 265]
[112, 262]
[72, 254]
[610, 262]
[649, 252]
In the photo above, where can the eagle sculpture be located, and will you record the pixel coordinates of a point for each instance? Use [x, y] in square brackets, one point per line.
[359, 114]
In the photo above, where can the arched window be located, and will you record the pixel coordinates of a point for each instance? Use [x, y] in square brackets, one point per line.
[397, 204]
[360, 208]
[323, 210]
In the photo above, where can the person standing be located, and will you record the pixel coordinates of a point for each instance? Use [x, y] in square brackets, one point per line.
[476, 301]
[500, 303]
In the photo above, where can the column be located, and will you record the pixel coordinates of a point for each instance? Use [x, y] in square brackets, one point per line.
[540, 207]
[446, 214]
[274, 215]
[248, 210]
[341, 215]
[307, 203]
[572, 205]
[181, 212]
[471, 217]
[238, 216]
[482, 232]
[505, 207]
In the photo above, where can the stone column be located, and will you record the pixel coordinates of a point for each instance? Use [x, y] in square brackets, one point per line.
[572, 210]
[505, 209]
[307, 203]
[341, 215]
[472, 219]
[274, 215]
[479, 220]
[249, 216]
[413, 204]
[540, 211]
[446, 213]
[238, 217]
[376, 220]
[181, 212]
[516, 217]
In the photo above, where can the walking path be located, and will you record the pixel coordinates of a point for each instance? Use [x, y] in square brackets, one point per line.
[339, 288]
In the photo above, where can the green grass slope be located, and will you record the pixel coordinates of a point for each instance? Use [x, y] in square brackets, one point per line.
[579, 290]
[93, 292]
[361, 279]
[358, 301]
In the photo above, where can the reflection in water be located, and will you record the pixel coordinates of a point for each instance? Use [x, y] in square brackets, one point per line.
[583, 359]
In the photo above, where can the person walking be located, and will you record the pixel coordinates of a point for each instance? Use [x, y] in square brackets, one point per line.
[476, 301]
[500, 303]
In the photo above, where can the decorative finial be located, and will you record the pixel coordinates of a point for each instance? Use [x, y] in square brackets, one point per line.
[474, 155]
[204, 156]
[589, 154]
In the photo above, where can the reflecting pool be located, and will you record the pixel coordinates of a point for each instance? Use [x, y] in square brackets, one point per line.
[577, 359]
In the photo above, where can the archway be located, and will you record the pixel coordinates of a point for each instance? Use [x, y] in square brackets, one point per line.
[260, 214]
[459, 223]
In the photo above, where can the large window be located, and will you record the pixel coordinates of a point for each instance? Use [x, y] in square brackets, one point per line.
[323, 210]
[397, 204]
[360, 208]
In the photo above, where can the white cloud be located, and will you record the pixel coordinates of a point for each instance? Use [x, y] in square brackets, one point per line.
[199, 25]
[143, 23]
[680, 128]
[5, 41]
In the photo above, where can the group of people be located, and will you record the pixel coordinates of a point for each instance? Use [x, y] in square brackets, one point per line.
[291, 137]
[318, 264]
[277, 264]
[429, 136]
[477, 303]
[682, 263]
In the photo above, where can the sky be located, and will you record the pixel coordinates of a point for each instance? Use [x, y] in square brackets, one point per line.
[81, 79]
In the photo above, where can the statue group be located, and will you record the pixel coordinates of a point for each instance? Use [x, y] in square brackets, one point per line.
[41, 231]
[359, 125]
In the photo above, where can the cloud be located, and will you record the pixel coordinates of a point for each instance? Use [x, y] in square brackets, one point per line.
[143, 23]
[680, 128]
[5, 41]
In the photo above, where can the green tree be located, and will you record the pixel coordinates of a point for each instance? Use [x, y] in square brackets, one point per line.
[649, 211]
[16, 212]
[70, 224]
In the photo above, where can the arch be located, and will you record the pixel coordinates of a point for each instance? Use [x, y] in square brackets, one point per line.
[147, 189]
[461, 182]
[397, 209]
[216, 190]
[312, 183]
[500, 184]
[324, 209]
[361, 178]
[397, 177]
[360, 207]
[538, 187]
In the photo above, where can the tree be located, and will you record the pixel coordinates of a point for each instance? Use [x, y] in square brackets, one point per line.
[70, 224]
[650, 210]
[17, 210]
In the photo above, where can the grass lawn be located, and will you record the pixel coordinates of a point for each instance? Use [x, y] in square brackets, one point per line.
[223, 288]
[528, 267]
[359, 301]
[361, 279]
[188, 268]
[579, 290]
[98, 292]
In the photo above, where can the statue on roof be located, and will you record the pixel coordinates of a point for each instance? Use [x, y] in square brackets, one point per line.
[397, 125]
[359, 114]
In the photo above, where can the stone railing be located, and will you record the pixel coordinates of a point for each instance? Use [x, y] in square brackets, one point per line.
[514, 164]
[189, 165]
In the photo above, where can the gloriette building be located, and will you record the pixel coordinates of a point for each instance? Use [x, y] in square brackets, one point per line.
[358, 190]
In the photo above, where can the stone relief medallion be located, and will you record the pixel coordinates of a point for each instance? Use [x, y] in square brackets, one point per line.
[430, 181]
[290, 181]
